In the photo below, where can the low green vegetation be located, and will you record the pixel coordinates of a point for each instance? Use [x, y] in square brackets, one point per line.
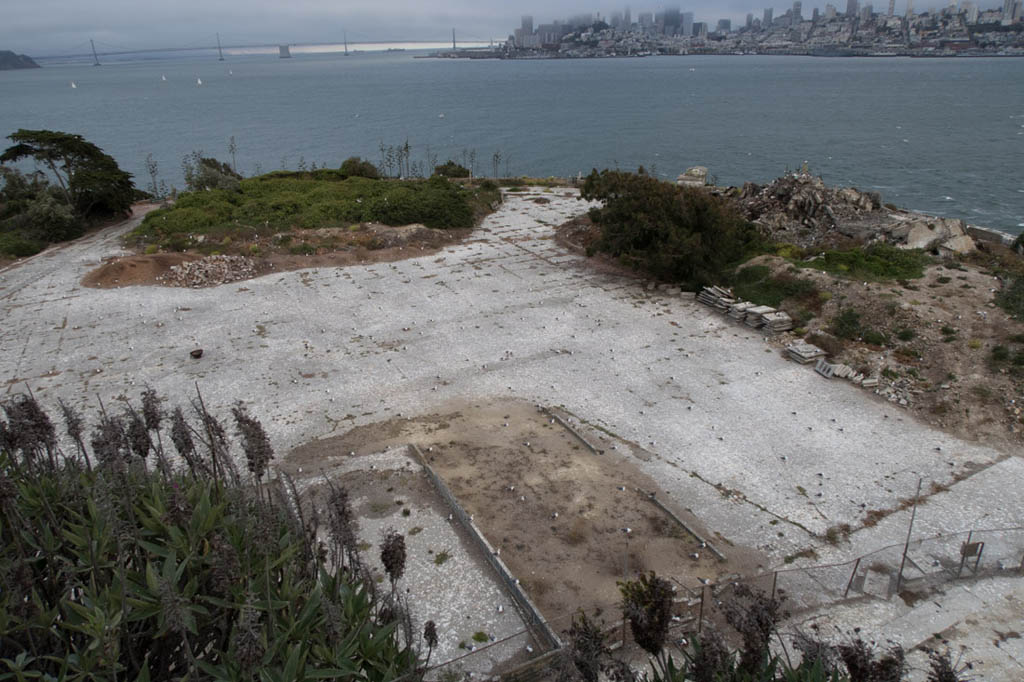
[756, 283]
[115, 565]
[874, 263]
[1011, 297]
[671, 233]
[283, 201]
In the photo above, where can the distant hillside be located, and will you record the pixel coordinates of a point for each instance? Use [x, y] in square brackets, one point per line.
[9, 60]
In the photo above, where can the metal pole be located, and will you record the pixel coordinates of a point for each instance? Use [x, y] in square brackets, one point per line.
[700, 615]
[852, 575]
[963, 553]
[906, 546]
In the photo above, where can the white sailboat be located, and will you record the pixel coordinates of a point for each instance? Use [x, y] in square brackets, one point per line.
[199, 81]
[163, 77]
[73, 85]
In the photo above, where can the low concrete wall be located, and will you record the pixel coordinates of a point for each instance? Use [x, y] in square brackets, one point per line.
[989, 235]
[541, 631]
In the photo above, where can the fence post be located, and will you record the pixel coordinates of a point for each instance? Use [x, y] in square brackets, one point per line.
[963, 553]
[853, 574]
[775, 580]
[700, 614]
[910, 529]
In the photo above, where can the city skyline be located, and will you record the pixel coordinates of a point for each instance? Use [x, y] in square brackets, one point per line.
[54, 26]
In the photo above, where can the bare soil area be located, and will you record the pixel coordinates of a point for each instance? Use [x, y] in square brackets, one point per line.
[556, 512]
[324, 247]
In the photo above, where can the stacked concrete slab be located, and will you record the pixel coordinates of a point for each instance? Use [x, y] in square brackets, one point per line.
[804, 353]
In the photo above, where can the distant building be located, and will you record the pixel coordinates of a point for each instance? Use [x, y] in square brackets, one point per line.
[910, 9]
[830, 12]
[866, 12]
[1011, 12]
[798, 14]
[527, 25]
[645, 19]
[892, 8]
[700, 29]
[970, 12]
[724, 26]
[767, 21]
[750, 20]
[852, 7]
[815, 15]
[672, 21]
[686, 23]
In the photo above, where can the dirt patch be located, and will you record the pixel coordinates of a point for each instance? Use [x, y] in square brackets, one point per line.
[282, 252]
[556, 511]
[135, 270]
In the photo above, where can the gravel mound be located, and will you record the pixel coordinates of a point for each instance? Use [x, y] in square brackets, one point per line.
[210, 271]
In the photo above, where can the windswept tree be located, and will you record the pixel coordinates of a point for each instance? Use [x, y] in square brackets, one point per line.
[89, 180]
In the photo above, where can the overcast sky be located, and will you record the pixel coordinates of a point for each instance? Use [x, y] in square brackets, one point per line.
[48, 27]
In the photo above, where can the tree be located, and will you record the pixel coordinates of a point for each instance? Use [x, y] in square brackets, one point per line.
[90, 180]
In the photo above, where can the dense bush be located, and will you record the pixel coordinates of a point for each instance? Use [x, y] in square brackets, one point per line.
[450, 169]
[117, 566]
[355, 166]
[671, 233]
[1011, 297]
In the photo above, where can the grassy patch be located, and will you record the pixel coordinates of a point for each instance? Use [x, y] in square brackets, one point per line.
[441, 557]
[875, 263]
[285, 201]
[756, 283]
[1011, 298]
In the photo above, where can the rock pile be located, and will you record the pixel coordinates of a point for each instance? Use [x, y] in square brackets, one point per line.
[210, 271]
[801, 200]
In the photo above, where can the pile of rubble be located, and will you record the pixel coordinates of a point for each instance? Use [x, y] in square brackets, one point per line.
[800, 209]
[798, 202]
[210, 271]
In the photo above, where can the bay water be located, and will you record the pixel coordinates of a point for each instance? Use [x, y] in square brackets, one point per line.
[943, 136]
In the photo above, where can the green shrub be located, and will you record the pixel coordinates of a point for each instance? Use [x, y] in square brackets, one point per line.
[355, 166]
[450, 169]
[756, 284]
[846, 325]
[874, 337]
[116, 566]
[1011, 298]
[16, 246]
[671, 233]
[906, 334]
[1000, 354]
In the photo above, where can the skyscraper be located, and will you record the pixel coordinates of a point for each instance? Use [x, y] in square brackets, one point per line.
[910, 9]
[766, 23]
[686, 23]
[892, 7]
[852, 7]
[750, 20]
[798, 11]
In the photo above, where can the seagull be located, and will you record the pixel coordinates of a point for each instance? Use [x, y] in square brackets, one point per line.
[501, 609]
[704, 581]
[695, 555]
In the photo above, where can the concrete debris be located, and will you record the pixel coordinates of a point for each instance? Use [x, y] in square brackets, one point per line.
[210, 271]
[804, 353]
[717, 298]
[946, 235]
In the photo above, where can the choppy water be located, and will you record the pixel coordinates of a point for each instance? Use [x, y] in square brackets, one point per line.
[943, 136]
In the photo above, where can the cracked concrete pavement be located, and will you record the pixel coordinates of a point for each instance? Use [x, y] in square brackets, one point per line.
[768, 454]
